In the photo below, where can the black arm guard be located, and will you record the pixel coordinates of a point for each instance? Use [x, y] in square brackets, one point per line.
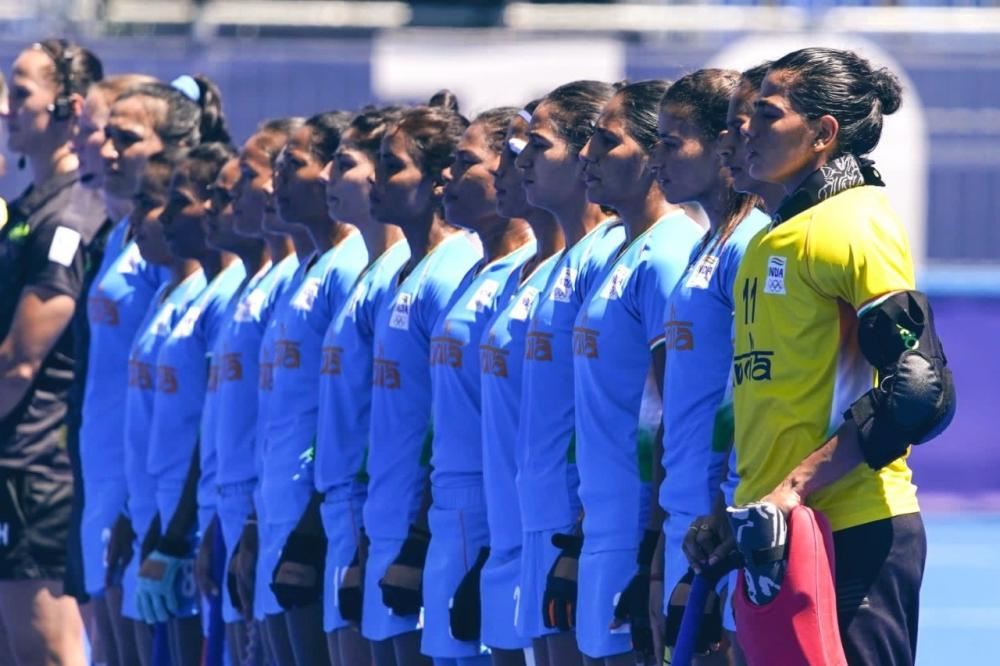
[915, 399]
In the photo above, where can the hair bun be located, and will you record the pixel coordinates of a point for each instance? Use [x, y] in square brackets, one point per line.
[889, 90]
[444, 99]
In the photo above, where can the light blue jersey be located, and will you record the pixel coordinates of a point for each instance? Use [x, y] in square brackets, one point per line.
[501, 356]
[293, 408]
[237, 355]
[208, 461]
[265, 359]
[119, 299]
[697, 408]
[457, 451]
[618, 402]
[181, 381]
[248, 297]
[164, 313]
[345, 382]
[401, 385]
[545, 485]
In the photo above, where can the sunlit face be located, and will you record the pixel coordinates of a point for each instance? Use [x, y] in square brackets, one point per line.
[349, 179]
[511, 199]
[149, 203]
[90, 137]
[254, 195]
[733, 143]
[780, 140]
[685, 162]
[470, 198]
[616, 168]
[298, 187]
[33, 90]
[184, 218]
[401, 191]
[221, 219]
[130, 139]
[551, 171]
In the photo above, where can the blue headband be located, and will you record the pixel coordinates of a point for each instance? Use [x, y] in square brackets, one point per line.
[188, 86]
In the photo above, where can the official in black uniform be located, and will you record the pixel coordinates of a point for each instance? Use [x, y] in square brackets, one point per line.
[42, 265]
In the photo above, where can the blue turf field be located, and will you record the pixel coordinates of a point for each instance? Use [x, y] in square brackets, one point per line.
[960, 603]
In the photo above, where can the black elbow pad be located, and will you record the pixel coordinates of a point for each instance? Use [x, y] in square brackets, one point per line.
[915, 399]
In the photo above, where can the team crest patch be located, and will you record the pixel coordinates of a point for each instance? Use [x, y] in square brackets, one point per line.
[775, 281]
[525, 300]
[484, 296]
[249, 308]
[562, 290]
[306, 295]
[615, 286]
[185, 326]
[131, 260]
[161, 324]
[400, 318]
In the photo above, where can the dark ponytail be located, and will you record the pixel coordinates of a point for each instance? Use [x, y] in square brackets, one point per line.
[844, 85]
[703, 98]
[434, 131]
[326, 130]
[444, 99]
[156, 174]
[180, 120]
[74, 68]
[641, 106]
[273, 134]
[370, 125]
[753, 78]
[212, 127]
[495, 123]
[201, 165]
[575, 107]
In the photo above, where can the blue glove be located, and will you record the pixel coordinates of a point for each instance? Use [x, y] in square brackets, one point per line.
[156, 597]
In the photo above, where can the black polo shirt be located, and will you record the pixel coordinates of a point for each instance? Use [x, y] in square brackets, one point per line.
[43, 247]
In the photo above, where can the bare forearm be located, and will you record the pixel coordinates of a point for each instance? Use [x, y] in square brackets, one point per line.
[38, 323]
[16, 378]
[827, 464]
[656, 513]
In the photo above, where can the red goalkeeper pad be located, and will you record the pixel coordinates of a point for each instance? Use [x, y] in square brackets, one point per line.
[799, 626]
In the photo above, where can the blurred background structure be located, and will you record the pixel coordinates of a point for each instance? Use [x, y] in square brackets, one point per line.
[940, 155]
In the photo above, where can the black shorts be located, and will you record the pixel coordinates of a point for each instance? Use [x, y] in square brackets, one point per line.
[34, 523]
[879, 568]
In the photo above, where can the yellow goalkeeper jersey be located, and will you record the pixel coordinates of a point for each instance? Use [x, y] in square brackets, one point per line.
[797, 365]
